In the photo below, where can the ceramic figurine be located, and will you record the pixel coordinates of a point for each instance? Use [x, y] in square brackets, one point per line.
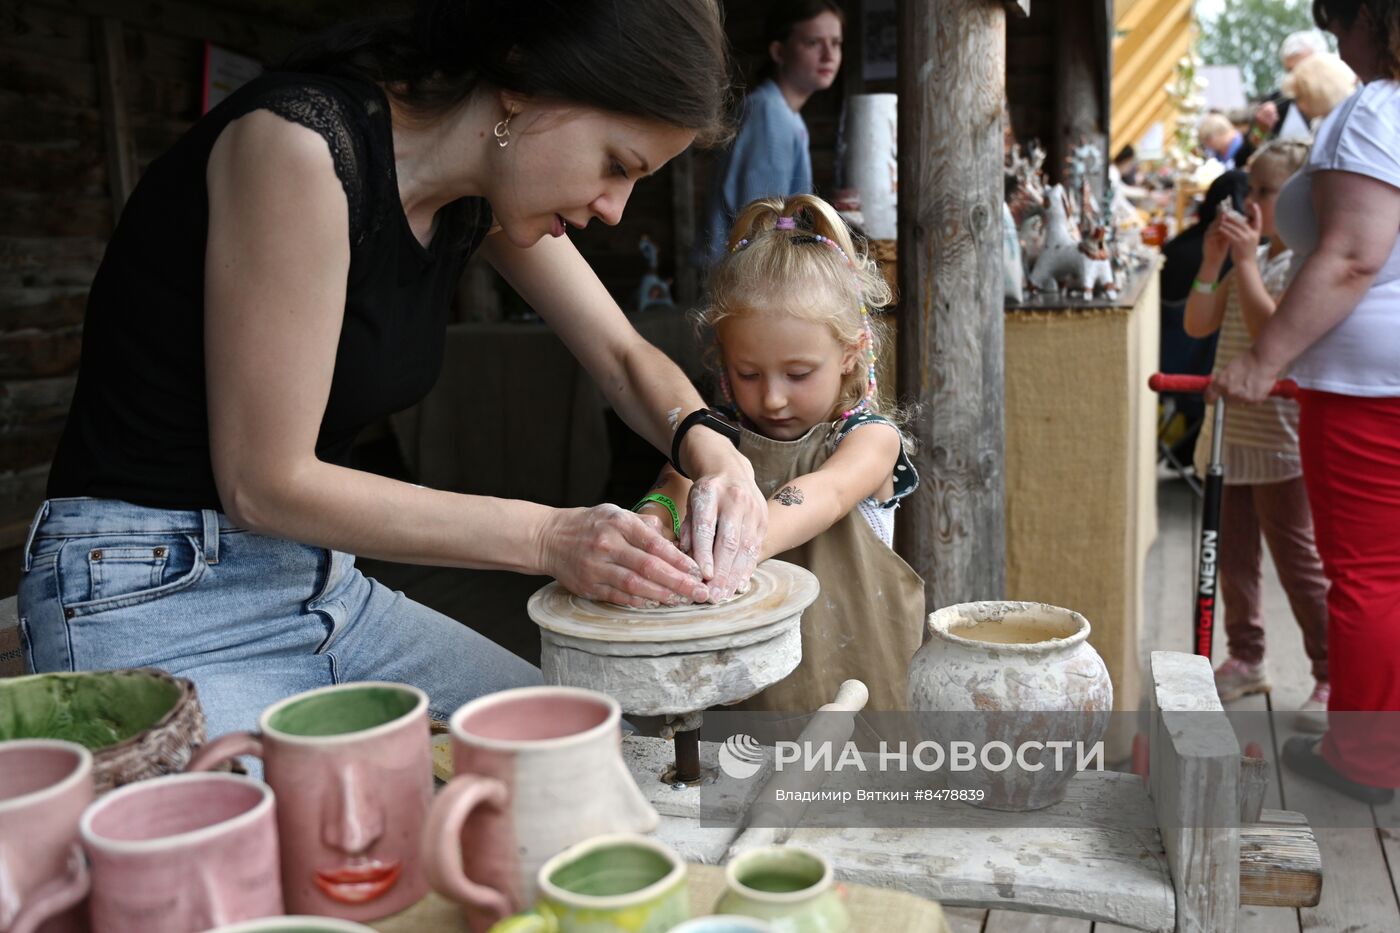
[1013, 272]
[1060, 263]
[1097, 273]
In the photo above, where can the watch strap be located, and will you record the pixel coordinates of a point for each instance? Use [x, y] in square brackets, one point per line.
[705, 417]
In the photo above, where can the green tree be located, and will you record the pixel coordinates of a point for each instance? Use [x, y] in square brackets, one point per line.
[1248, 33]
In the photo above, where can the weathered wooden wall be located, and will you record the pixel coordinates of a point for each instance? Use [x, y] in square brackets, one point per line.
[78, 79]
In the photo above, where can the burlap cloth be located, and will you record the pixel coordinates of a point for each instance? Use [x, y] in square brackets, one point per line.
[872, 910]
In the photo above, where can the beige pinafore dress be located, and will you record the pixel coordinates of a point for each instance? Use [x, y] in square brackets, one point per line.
[867, 621]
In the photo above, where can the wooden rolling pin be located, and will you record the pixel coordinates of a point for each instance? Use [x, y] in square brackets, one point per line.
[835, 726]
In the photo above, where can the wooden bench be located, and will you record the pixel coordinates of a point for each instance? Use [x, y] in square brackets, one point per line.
[1170, 855]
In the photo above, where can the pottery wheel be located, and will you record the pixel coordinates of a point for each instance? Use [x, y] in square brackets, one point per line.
[674, 660]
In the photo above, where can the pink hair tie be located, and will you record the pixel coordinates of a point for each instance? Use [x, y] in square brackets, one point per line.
[785, 223]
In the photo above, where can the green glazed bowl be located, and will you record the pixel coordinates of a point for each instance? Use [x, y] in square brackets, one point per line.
[138, 723]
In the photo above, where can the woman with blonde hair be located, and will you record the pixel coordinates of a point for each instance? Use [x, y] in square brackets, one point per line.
[1319, 83]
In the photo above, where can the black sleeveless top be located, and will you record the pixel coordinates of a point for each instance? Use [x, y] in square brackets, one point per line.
[138, 428]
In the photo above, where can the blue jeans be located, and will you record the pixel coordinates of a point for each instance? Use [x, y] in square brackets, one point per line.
[249, 618]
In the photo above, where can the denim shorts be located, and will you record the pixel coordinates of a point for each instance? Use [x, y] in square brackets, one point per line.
[249, 618]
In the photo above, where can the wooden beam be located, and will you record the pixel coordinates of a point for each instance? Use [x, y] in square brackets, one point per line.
[952, 80]
[116, 122]
[1080, 107]
[1193, 776]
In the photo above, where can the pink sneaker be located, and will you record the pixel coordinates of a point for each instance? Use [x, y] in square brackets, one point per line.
[1236, 678]
[1312, 715]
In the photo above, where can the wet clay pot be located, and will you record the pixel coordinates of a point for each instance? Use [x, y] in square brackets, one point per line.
[1018, 676]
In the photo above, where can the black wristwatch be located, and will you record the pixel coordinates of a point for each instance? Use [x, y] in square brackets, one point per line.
[705, 417]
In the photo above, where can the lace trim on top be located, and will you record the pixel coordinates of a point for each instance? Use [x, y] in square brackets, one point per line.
[333, 119]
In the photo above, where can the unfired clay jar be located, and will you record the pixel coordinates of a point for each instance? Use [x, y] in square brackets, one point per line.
[1020, 673]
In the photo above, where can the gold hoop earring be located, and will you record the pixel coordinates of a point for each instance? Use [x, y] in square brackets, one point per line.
[502, 131]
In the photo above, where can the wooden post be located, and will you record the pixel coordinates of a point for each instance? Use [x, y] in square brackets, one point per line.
[952, 81]
[116, 124]
[1083, 73]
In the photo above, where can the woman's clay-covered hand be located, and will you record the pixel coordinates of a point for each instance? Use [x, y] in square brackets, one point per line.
[611, 555]
[726, 518]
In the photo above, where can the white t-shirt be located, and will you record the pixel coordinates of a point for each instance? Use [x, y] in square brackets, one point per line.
[1361, 355]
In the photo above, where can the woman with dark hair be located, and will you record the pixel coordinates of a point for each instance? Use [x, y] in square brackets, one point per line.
[282, 278]
[770, 156]
[1337, 332]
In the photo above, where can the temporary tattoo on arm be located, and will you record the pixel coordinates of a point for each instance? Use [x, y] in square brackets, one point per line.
[789, 495]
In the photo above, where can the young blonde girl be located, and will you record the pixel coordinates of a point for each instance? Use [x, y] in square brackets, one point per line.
[1263, 472]
[790, 313]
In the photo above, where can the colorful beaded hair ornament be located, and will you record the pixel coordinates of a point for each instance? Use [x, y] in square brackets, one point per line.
[789, 223]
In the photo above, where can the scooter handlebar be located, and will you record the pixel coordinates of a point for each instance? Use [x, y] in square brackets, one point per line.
[1194, 385]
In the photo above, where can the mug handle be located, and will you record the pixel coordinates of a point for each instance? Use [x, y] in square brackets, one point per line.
[224, 749]
[442, 842]
[55, 896]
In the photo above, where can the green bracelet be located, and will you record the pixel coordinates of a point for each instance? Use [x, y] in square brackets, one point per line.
[670, 506]
[1205, 288]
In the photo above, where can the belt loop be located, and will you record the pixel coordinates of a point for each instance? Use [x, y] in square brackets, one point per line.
[40, 514]
[211, 536]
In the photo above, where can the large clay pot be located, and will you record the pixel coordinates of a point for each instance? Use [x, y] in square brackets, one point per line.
[1020, 673]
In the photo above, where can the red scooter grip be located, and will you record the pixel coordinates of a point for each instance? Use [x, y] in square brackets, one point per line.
[1171, 382]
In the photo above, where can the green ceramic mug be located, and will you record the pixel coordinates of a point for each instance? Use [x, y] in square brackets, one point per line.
[608, 884]
[790, 888]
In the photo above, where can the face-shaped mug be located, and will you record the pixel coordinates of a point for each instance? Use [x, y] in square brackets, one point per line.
[789, 888]
[182, 853]
[352, 767]
[537, 769]
[610, 884]
[45, 785]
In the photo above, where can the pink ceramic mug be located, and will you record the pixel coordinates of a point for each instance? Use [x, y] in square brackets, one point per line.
[353, 770]
[182, 853]
[537, 769]
[45, 785]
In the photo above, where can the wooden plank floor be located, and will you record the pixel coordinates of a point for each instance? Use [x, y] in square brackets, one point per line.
[1361, 866]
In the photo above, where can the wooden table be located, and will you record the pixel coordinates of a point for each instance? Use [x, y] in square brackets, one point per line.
[872, 910]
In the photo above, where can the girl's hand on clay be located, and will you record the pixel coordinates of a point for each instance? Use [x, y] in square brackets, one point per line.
[725, 524]
[611, 555]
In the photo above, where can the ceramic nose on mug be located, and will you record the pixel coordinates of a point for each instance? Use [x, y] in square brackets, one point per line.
[354, 818]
